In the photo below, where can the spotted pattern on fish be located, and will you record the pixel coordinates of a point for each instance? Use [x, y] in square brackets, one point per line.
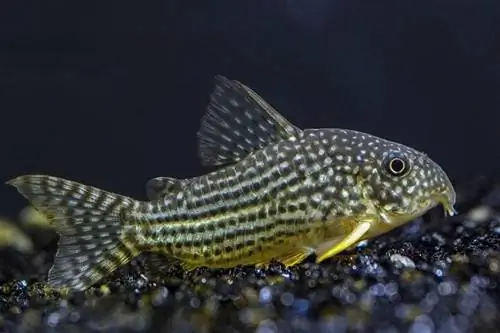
[279, 192]
[88, 222]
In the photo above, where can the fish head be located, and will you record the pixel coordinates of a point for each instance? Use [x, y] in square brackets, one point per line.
[399, 182]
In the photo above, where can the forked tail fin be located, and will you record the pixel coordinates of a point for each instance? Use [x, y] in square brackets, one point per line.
[90, 225]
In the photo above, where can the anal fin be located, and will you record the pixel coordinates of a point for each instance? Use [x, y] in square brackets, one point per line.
[337, 245]
[187, 266]
[159, 264]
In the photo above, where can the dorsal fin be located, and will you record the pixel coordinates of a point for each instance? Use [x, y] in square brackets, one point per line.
[158, 187]
[237, 123]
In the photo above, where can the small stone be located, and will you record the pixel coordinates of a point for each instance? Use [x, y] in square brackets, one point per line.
[402, 261]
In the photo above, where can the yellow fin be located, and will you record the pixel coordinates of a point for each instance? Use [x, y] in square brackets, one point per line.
[295, 256]
[290, 258]
[262, 265]
[188, 266]
[331, 248]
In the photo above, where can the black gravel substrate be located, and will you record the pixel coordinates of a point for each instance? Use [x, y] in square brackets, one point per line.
[433, 275]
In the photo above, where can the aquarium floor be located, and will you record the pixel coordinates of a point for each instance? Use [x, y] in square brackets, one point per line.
[433, 275]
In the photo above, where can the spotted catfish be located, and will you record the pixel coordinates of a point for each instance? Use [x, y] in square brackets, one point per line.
[277, 192]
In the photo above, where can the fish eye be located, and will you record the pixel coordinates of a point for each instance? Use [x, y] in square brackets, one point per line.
[397, 164]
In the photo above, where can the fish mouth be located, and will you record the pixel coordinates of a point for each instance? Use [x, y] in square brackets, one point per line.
[447, 202]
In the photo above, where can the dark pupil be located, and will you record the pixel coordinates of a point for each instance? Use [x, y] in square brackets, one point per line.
[397, 166]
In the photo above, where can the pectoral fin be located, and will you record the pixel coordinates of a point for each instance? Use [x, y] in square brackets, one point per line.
[331, 248]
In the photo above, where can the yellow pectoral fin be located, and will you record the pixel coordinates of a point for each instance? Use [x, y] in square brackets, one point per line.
[331, 248]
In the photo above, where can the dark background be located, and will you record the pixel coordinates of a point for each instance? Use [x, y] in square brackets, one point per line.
[110, 93]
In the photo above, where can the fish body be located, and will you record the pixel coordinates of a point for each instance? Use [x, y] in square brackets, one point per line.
[274, 203]
[278, 192]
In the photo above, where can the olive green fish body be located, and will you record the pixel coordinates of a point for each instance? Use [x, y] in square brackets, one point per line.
[280, 198]
[278, 192]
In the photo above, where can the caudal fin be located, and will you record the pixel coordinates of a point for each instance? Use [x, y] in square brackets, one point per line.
[90, 227]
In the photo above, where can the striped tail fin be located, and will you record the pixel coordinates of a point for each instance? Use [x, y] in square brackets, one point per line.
[90, 225]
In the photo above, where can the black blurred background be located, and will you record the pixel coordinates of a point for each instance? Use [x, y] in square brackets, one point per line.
[111, 93]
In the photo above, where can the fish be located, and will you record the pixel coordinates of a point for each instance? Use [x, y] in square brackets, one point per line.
[276, 192]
